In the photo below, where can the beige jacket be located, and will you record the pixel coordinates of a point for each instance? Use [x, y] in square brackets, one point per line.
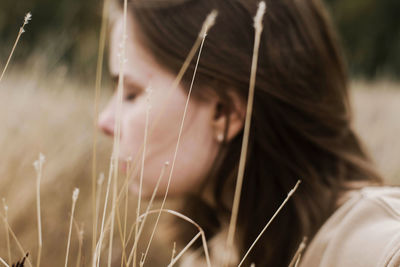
[363, 232]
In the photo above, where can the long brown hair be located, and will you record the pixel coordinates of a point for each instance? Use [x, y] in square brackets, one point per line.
[301, 121]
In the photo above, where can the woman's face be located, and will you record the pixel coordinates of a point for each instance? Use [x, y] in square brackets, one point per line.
[198, 145]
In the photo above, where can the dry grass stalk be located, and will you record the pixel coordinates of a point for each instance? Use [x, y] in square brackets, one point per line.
[75, 195]
[297, 256]
[80, 239]
[123, 256]
[27, 18]
[173, 252]
[112, 215]
[242, 162]
[99, 70]
[184, 249]
[16, 240]
[117, 127]
[96, 255]
[6, 230]
[79, 232]
[38, 164]
[99, 188]
[148, 91]
[3, 262]
[269, 222]
[145, 217]
[184, 217]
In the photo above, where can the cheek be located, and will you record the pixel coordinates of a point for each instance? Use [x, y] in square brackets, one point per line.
[132, 130]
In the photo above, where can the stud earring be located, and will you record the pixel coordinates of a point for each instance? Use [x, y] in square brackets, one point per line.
[220, 137]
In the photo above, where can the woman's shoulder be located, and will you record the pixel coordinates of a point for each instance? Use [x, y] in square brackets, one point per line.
[364, 231]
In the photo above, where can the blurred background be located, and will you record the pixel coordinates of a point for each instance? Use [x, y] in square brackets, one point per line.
[369, 30]
[53, 69]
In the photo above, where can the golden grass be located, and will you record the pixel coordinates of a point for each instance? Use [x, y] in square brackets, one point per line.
[243, 154]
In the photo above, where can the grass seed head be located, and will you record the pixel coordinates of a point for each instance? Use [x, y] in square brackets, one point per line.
[75, 194]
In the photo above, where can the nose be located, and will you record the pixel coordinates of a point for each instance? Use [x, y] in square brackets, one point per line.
[106, 120]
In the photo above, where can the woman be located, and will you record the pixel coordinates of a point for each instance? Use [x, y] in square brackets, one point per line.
[301, 126]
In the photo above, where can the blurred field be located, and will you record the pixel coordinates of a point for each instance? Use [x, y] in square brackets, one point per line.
[376, 108]
[53, 115]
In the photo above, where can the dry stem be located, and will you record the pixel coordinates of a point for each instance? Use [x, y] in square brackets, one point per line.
[75, 195]
[3, 262]
[117, 127]
[38, 164]
[6, 229]
[184, 217]
[148, 90]
[243, 154]
[297, 256]
[27, 18]
[145, 217]
[96, 258]
[16, 240]
[99, 70]
[269, 222]
[184, 249]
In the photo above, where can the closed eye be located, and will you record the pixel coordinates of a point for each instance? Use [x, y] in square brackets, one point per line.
[131, 89]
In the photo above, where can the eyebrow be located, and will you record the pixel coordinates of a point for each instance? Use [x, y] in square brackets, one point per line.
[127, 80]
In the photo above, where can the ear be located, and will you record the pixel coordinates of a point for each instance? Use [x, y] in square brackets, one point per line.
[229, 117]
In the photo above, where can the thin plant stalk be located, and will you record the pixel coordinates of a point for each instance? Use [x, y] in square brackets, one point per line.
[297, 256]
[75, 195]
[3, 262]
[117, 127]
[99, 74]
[184, 249]
[123, 256]
[297, 261]
[270, 221]
[145, 217]
[6, 229]
[242, 161]
[113, 208]
[96, 260]
[119, 223]
[184, 217]
[16, 240]
[99, 188]
[173, 252]
[80, 240]
[27, 18]
[142, 170]
[38, 164]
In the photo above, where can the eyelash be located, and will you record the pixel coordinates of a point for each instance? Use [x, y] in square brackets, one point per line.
[130, 96]
[130, 92]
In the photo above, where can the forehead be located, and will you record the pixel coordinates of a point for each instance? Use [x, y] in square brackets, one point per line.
[139, 64]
